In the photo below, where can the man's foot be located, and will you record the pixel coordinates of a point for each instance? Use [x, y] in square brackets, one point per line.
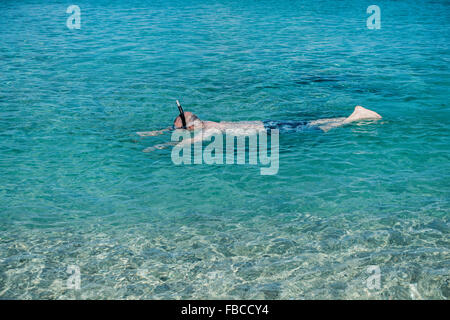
[361, 113]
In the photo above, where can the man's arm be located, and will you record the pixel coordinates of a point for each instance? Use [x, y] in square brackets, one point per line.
[199, 137]
[203, 135]
[153, 133]
[160, 146]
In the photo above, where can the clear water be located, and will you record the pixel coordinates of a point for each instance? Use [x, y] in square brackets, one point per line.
[77, 190]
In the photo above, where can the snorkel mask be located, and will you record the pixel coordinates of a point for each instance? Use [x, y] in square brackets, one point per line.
[183, 119]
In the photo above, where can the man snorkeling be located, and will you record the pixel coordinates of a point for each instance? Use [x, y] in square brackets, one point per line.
[188, 121]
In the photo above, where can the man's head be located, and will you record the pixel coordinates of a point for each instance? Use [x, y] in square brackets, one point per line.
[191, 121]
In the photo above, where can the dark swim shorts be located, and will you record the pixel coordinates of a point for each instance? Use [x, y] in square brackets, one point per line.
[289, 126]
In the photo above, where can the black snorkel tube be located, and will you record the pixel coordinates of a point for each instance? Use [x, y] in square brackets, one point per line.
[183, 119]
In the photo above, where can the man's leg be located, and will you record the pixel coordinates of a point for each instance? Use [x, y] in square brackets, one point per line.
[359, 113]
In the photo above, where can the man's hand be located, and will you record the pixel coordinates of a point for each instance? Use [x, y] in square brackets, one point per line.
[150, 133]
[159, 146]
[153, 133]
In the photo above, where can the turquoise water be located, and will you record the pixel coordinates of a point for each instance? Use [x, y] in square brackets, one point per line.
[76, 188]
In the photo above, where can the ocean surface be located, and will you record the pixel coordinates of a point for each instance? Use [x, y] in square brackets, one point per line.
[76, 190]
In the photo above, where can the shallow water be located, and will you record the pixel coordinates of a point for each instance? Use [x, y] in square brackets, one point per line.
[76, 188]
